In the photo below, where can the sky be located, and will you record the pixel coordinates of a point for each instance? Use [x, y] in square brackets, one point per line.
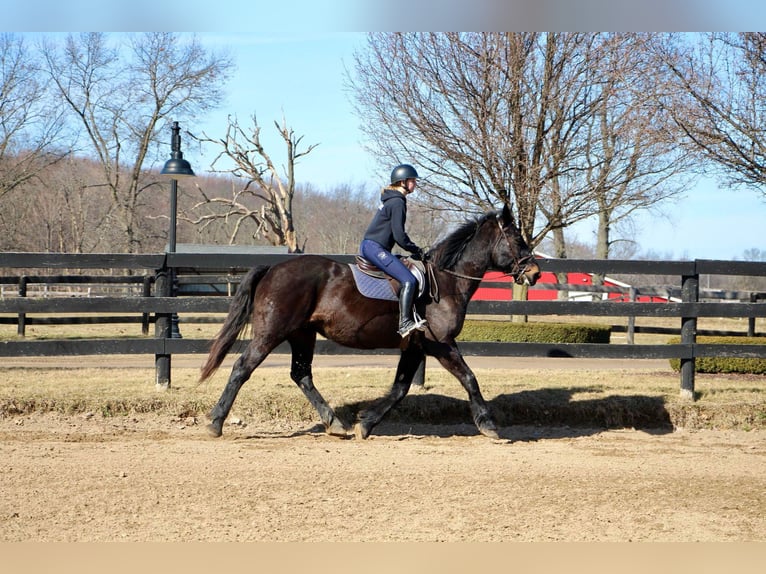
[301, 80]
[291, 61]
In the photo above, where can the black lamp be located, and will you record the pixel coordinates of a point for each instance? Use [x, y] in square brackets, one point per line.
[174, 168]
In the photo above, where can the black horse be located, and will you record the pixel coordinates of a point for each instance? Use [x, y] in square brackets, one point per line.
[298, 298]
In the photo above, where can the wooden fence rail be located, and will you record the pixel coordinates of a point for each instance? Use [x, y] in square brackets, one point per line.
[220, 266]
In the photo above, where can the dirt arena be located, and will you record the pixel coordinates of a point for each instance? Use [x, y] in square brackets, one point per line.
[152, 478]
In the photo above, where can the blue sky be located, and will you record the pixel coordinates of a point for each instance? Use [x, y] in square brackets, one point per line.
[291, 58]
[272, 17]
[301, 78]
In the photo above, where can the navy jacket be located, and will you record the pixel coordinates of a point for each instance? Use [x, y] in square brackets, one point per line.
[387, 227]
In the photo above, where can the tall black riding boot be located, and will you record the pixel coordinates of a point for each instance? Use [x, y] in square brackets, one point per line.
[406, 300]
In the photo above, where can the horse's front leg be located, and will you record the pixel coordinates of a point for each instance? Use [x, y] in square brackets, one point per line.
[408, 364]
[451, 359]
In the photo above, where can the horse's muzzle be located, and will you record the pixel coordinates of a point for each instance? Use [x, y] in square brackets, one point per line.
[529, 274]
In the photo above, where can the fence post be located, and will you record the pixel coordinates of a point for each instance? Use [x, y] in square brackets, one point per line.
[21, 328]
[162, 288]
[689, 294]
[175, 332]
[146, 292]
[633, 295]
[751, 320]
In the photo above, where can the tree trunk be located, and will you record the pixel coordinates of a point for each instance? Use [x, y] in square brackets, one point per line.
[520, 293]
[560, 252]
[602, 248]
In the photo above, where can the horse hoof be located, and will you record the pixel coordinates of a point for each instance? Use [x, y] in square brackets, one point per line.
[489, 432]
[337, 428]
[360, 431]
[214, 430]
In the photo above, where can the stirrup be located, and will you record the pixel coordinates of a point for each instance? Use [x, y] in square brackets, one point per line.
[410, 326]
[420, 322]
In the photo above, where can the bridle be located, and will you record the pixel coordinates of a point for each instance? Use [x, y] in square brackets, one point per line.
[520, 264]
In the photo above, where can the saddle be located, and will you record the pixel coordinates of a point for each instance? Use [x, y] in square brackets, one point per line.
[374, 283]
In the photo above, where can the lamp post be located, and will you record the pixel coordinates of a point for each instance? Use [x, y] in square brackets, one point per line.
[176, 167]
[167, 325]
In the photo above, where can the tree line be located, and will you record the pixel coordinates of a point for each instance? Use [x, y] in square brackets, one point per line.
[562, 126]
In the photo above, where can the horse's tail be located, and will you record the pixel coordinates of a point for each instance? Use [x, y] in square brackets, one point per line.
[240, 311]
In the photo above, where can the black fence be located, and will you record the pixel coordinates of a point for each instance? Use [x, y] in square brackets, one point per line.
[188, 283]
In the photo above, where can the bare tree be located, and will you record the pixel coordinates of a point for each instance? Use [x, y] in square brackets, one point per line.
[30, 127]
[72, 209]
[552, 121]
[335, 221]
[121, 95]
[722, 103]
[475, 110]
[18, 229]
[264, 204]
[632, 159]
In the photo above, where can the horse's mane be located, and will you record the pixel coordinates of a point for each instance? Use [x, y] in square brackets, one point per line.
[450, 250]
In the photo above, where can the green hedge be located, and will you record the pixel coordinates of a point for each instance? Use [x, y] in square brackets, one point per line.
[507, 332]
[724, 364]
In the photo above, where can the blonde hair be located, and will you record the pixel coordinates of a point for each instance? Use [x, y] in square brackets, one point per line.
[398, 186]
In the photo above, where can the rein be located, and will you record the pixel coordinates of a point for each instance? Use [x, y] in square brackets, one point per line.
[456, 274]
[472, 278]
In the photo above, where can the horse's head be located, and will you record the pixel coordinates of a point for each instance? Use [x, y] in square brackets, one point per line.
[511, 254]
[491, 242]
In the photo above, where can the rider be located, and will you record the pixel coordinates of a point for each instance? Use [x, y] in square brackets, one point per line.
[387, 229]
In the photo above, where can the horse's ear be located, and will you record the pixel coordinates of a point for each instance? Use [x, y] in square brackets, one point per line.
[507, 215]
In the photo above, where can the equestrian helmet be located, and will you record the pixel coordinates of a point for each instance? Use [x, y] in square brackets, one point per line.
[402, 172]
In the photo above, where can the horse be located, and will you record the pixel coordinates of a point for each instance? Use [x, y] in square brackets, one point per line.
[307, 295]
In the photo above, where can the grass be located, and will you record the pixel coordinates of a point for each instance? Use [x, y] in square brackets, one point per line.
[208, 330]
[84, 331]
[578, 397]
[591, 398]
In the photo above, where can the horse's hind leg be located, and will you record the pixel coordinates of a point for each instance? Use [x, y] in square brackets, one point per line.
[302, 345]
[243, 367]
[405, 371]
